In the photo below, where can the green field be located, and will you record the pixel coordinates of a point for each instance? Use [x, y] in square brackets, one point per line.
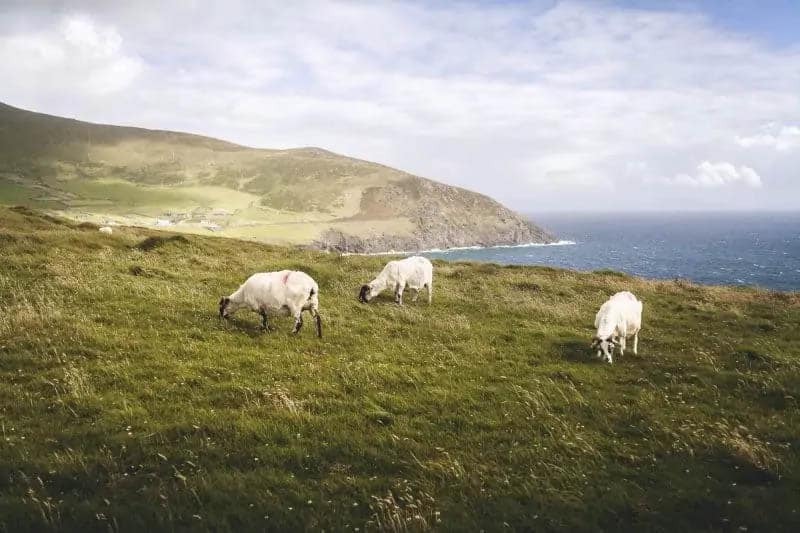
[127, 404]
[13, 193]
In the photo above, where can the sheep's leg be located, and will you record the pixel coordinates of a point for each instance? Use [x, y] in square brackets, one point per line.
[430, 291]
[298, 323]
[298, 319]
[264, 322]
[622, 345]
[636, 343]
[398, 293]
[317, 321]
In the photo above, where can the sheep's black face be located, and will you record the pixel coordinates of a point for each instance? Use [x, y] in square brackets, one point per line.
[223, 306]
[605, 347]
[364, 295]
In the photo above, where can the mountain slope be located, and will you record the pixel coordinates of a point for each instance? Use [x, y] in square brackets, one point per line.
[196, 184]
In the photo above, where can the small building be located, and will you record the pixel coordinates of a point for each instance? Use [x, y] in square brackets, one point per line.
[209, 225]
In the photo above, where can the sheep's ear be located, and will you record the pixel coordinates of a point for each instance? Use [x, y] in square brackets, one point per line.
[595, 341]
[224, 301]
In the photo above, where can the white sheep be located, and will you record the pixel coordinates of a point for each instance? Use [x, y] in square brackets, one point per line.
[272, 292]
[619, 317]
[107, 230]
[415, 272]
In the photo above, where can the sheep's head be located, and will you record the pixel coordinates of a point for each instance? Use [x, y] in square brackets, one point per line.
[224, 304]
[365, 294]
[605, 347]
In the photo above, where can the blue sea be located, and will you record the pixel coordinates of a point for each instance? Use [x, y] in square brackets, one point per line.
[719, 248]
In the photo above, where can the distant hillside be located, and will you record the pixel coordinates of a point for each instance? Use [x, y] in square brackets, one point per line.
[197, 184]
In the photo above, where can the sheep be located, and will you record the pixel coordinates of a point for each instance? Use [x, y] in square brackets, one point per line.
[272, 292]
[619, 317]
[415, 272]
[107, 230]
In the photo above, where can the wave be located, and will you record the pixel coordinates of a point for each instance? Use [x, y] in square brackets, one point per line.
[534, 244]
[461, 248]
[497, 246]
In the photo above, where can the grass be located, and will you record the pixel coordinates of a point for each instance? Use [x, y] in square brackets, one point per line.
[12, 193]
[127, 404]
[123, 196]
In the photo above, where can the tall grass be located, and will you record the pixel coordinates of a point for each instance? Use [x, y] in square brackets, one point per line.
[127, 404]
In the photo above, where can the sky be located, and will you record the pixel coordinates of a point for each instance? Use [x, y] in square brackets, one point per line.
[627, 105]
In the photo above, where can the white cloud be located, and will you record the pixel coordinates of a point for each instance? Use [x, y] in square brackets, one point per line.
[781, 138]
[81, 32]
[534, 103]
[712, 175]
[77, 58]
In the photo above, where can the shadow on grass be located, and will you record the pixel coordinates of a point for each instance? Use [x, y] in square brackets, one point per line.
[280, 325]
[387, 298]
[576, 351]
[156, 241]
[248, 327]
[579, 351]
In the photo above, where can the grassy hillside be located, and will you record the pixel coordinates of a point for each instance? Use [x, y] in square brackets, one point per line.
[102, 173]
[126, 403]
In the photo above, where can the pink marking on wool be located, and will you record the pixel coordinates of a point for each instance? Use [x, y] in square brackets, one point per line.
[286, 277]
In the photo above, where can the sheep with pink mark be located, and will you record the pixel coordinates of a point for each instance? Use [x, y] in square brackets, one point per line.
[267, 293]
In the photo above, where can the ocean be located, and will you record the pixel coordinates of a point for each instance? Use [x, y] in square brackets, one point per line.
[760, 249]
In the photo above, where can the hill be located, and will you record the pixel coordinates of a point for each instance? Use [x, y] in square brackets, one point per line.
[127, 404]
[135, 176]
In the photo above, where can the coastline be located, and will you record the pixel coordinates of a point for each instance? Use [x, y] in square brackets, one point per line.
[562, 242]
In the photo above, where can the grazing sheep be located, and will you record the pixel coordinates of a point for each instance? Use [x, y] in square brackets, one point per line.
[619, 317]
[272, 292]
[415, 272]
[107, 230]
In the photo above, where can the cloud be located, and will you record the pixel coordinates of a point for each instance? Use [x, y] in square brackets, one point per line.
[713, 175]
[781, 138]
[534, 103]
[75, 56]
[81, 32]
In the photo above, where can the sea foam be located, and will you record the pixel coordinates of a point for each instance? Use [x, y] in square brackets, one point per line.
[459, 248]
